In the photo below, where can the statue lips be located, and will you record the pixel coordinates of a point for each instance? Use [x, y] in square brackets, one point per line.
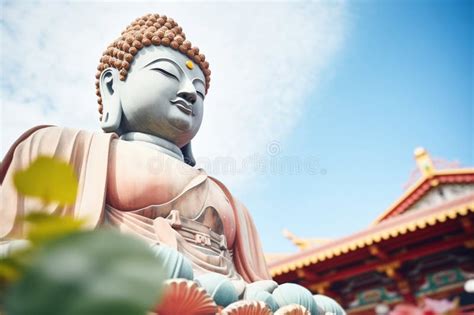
[184, 106]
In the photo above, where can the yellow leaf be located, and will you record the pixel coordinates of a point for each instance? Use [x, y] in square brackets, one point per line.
[48, 178]
[44, 227]
[9, 270]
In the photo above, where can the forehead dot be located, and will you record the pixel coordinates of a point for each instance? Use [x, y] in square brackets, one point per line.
[190, 64]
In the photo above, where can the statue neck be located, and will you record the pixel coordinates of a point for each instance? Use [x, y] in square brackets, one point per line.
[160, 144]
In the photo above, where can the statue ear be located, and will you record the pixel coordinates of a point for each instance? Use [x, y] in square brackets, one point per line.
[188, 155]
[112, 107]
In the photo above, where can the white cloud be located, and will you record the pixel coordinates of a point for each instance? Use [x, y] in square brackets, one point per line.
[265, 59]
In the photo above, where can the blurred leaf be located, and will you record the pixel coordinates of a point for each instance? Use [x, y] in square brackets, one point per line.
[37, 216]
[96, 272]
[18, 256]
[40, 233]
[9, 270]
[44, 227]
[48, 178]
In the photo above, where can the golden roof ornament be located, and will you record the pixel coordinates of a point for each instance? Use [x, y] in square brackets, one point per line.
[424, 162]
[303, 243]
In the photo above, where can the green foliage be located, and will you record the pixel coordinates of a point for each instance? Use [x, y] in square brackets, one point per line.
[44, 227]
[68, 271]
[48, 178]
[51, 180]
[93, 272]
[10, 268]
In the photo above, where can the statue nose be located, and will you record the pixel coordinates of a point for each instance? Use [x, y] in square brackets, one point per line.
[190, 97]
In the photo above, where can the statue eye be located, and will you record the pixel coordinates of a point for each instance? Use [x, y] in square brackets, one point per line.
[200, 94]
[166, 73]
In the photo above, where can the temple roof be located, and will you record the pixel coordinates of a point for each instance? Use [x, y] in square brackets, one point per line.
[392, 223]
[400, 225]
[430, 177]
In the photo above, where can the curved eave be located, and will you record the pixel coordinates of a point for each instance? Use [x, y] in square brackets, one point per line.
[408, 223]
[421, 186]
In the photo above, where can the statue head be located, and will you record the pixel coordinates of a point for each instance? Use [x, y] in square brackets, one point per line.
[151, 80]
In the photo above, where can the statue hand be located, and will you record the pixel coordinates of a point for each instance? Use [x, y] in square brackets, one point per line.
[174, 263]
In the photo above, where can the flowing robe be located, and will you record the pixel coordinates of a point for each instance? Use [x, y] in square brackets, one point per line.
[90, 155]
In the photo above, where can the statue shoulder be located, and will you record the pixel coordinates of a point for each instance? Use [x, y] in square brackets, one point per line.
[42, 132]
[85, 151]
[50, 141]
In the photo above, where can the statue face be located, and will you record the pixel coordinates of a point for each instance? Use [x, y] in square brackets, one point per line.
[163, 95]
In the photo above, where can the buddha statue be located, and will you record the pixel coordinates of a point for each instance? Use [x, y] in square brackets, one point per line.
[138, 175]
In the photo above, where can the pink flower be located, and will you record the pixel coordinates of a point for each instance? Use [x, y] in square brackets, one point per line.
[439, 306]
[430, 307]
[406, 309]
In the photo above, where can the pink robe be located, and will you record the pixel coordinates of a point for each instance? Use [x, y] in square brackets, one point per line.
[88, 153]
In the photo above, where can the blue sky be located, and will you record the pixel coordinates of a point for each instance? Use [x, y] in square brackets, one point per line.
[403, 79]
[350, 87]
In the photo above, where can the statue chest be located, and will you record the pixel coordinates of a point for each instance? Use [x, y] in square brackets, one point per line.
[160, 186]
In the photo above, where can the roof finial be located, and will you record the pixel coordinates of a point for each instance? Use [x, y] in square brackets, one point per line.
[424, 162]
[303, 243]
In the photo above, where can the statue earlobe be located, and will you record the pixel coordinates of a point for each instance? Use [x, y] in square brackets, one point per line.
[112, 107]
